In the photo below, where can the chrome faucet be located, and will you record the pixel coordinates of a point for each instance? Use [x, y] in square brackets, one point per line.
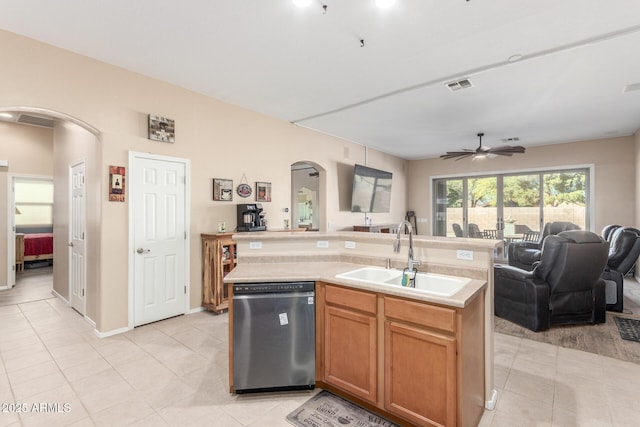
[411, 263]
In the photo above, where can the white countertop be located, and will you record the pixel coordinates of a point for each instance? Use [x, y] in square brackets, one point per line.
[326, 272]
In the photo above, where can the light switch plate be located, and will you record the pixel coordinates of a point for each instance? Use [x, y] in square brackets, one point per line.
[348, 244]
[467, 255]
[322, 244]
[255, 245]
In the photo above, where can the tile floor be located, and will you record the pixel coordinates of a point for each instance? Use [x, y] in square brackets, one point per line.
[174, 373]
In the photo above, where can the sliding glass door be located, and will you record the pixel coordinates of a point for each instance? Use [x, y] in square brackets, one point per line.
[509, 206]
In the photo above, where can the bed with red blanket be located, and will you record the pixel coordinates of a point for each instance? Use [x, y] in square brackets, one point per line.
[38, 246]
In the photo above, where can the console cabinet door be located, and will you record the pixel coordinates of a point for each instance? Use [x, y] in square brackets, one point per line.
[420, 375]
[350, 349]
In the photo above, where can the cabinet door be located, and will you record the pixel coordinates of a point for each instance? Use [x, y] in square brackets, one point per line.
[350, 348]
[420, 375]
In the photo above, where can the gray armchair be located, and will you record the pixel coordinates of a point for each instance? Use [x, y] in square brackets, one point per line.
[566, 286]
[525, 254]
[624, 251]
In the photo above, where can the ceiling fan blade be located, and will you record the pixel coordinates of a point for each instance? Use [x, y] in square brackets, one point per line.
[457, 155]
[507, 149]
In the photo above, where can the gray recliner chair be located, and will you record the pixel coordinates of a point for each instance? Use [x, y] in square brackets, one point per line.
[566, 286]
[525, 254]
[624, 251]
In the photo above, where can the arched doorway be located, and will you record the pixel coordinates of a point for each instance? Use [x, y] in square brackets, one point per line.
[308, 205]
[72, 142]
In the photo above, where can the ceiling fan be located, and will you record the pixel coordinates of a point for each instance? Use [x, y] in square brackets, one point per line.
[482, 151]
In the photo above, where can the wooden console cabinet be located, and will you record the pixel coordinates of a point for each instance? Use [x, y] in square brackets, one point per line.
[19, 252]
[218, 259]
[410, 360]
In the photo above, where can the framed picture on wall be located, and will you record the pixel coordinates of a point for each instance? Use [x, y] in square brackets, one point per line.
[162, 129]
[222, 190]
[263, 191]
[116, 183]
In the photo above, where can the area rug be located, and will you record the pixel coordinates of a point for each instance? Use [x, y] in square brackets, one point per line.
[629, 328]
[603, 339]
[327, 410]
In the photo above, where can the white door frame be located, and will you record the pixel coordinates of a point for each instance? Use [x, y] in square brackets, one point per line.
[187, 201]
[11, 239]
[70, 235]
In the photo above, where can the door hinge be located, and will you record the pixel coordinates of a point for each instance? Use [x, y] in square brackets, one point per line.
[83, 179]
[83, 235]
[185, 289]
[83, 292]
[185, 234]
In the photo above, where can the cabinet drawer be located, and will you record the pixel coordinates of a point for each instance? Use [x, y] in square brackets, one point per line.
[357, 300]
[421, 314]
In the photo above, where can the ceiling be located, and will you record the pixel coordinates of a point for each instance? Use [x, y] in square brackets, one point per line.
[543, 71]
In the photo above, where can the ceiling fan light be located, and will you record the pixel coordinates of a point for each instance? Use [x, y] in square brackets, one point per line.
[384, 4]
[301, 3]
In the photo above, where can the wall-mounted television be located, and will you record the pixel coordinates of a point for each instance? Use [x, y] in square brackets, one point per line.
[371, 190]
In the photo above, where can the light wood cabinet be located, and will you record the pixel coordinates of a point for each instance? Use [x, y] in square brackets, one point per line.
[350, 341]
[219, 257]
[413, 361]
[420, 365]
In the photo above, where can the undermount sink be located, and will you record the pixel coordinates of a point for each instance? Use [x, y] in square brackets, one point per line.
[436, 284]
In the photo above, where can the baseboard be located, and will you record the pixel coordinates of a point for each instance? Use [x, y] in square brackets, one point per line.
[57, 295]
[110, 333]
[491, 404]
[197, 310]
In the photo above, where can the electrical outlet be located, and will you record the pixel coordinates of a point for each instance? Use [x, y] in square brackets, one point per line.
[322, 244]
[348, 244]
[467, 255]
[255, 245]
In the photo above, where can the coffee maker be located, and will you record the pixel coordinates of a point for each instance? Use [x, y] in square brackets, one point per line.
[250, 217]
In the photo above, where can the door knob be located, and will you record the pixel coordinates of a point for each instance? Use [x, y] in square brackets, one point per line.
[143, 251]
[70, 244]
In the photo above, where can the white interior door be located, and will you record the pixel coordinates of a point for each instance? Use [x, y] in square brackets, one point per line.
[159, 236]
[77, 241]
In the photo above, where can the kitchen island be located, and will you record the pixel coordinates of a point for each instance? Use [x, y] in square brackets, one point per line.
[413, 356]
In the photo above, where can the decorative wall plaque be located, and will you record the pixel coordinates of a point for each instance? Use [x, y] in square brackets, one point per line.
[162, 129]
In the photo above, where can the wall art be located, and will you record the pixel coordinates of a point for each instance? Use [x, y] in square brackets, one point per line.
[263, 191]
[222, 189]
[116, 183]
[162, 129]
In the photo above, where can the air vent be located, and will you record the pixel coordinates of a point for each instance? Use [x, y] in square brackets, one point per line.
[44, 122]
[513, 139]
[459, 84]
[632, 87]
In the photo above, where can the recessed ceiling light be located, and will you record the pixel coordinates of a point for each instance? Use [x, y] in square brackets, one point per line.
[383, 4]
[6, 115]
[301, 3]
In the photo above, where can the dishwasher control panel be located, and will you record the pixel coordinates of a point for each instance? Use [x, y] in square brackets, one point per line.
[272, 287]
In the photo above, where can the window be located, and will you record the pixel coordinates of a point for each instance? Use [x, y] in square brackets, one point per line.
[510, 205]
[34, 202]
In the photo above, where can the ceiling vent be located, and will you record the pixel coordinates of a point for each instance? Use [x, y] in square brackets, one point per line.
[459, 84]
[27, 119]
[632, 87]
[513, 139]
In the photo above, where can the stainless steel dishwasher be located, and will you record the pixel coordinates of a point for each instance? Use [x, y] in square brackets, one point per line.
[274, 336]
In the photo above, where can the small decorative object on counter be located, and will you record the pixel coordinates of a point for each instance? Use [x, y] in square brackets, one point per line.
[222, 226]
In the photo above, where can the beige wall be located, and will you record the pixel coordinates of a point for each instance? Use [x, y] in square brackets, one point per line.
[220, 140]
[614, 163]
[72, 144]
[29, 151]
